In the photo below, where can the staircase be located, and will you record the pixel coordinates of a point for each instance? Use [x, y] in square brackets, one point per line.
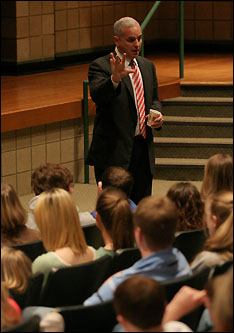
[197, 125]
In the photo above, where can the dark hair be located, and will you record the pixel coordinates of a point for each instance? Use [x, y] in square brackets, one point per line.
[116, 215]
[190, 206]
[49, 176]
[140, 300]
[157, 218]
[117, 177]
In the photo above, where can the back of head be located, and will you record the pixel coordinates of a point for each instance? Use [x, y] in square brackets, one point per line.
[13, 215]
[157, 218]
[220, 293]
[141, 301]
[218, 175]
[50, 175]
[119, 178]
[116, 216]
[124, 22]
[16, 269]
[57, 218]
[220, 204]
[188, 201]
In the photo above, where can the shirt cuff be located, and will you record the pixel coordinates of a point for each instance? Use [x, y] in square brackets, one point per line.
[115, 84]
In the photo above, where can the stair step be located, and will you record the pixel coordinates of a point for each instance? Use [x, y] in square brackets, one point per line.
[197, 100]
[180, 169]
[198, 107]
[166, 147]
[188, 162]
[201, 120]
[193, 141]
[207, 90]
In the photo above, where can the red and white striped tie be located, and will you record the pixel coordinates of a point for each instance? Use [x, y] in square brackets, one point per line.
[138, 87]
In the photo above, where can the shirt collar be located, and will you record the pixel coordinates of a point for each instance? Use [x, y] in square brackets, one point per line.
[127, 60]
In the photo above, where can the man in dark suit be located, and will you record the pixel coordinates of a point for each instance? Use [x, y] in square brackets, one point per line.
[121, 136]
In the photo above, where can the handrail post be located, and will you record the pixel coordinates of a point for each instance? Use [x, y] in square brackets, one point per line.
[86, 128]
[146, 21]
[181, 39]
[142, 51]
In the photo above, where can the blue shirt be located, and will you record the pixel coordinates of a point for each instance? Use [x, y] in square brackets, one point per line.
[161, 265]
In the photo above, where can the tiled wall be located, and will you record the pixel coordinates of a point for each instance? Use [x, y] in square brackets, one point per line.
[24, 150]
[39, 30]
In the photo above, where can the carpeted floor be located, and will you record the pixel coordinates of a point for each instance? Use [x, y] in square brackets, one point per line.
[85, 194]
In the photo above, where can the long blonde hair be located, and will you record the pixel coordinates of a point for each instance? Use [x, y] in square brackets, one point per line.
[218, 175]
[16, 269]
[57, 218]
[221, 205]
[13, 215]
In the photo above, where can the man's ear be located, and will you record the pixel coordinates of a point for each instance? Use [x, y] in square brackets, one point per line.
[98, 221]
[99, 189]
[123, 322]
[138, 235]
[116, 40]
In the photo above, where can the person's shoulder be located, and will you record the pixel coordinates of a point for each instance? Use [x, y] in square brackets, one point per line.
[176, 326]
[144, 61]
[101, 60]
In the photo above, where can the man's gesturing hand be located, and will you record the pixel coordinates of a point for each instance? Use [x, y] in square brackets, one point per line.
[118, 67]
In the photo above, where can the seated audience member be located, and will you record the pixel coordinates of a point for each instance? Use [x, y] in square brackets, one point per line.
[218, 175]
[117, 177]
[58, 221]
[140, 303]
[11, 315]
[10, 310]
[13, 219]
[217, 297]
[189, 204]
[219, 221]
[154, 222]
[114, 219]
[16, 270]
[46, 177]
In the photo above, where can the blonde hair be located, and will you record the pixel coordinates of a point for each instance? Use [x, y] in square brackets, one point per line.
[16, 269]
[13, 215]
[218, 175]
[221, 205]
[57, 218]
[9, 316]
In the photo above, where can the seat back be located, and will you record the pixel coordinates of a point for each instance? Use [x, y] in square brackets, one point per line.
[73, 285]
[196, 281]
[94, 318]
[125, 259]
[190, 243]
[93, 236]
[30, 325]
[31, 296]
[32, 249]
[221, 268]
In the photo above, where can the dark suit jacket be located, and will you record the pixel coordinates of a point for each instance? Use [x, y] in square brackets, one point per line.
[116, 115]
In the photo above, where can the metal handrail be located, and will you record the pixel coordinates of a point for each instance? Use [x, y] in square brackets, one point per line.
[86, 128]
[145, 22]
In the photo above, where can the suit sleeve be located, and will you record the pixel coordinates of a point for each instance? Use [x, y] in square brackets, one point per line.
[156, 104]
[102, 90]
